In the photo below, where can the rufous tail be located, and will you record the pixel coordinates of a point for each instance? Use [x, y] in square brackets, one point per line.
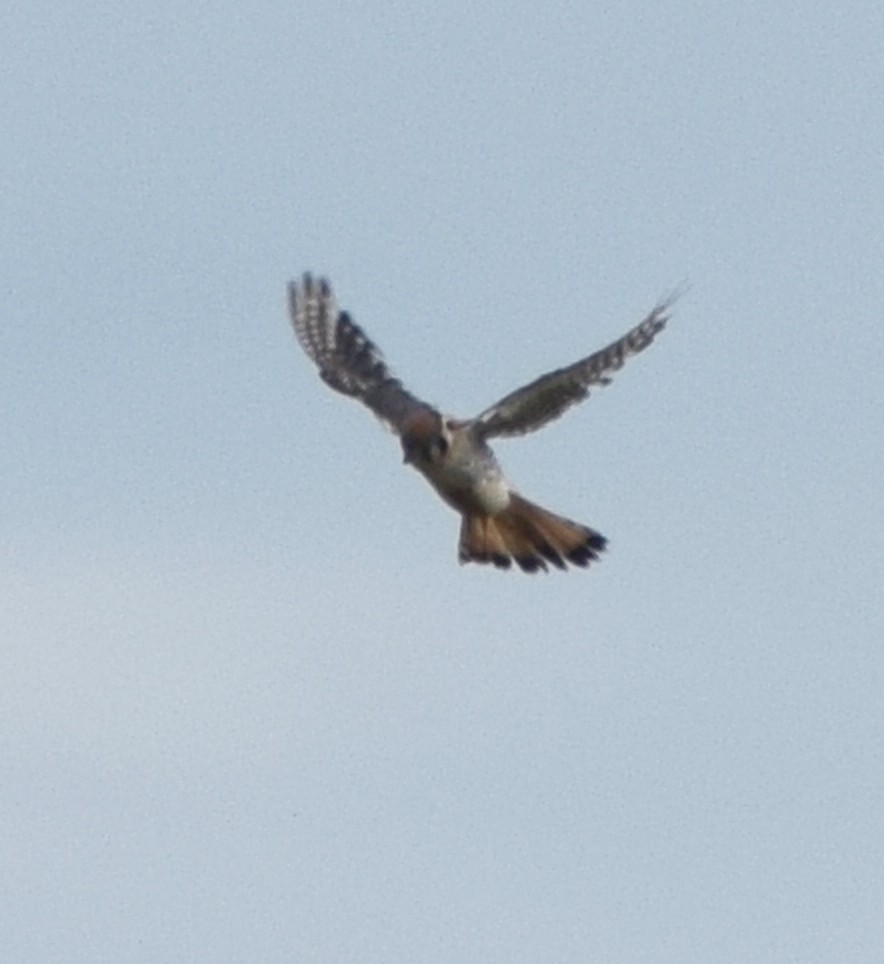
[529, 535]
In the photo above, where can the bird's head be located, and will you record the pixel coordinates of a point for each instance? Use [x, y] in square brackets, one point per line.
[425, 439]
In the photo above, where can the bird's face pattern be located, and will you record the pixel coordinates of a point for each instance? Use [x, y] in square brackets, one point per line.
[426, 440]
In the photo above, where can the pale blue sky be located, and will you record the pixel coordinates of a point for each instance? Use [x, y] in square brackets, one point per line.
[251, 709]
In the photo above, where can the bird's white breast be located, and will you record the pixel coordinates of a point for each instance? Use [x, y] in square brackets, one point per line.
[468, 477]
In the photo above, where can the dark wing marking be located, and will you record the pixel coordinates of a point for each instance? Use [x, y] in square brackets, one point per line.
[532, 406]
[347, 359]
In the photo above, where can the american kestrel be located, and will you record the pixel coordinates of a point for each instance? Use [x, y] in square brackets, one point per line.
[498, 524]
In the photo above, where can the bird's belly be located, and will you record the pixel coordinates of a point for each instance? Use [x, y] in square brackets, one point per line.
[468, 491]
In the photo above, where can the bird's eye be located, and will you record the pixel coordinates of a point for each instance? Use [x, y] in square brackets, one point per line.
[440, 445]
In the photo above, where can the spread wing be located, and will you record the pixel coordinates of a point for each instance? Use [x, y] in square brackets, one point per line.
[347, 359]
[532, 406]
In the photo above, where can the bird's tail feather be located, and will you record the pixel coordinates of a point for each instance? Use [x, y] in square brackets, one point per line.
[530, 535]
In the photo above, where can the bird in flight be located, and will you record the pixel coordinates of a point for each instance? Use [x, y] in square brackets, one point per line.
[498, 525]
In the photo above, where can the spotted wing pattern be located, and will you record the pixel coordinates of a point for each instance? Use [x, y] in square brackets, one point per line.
[347, 359]
[534, 405]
